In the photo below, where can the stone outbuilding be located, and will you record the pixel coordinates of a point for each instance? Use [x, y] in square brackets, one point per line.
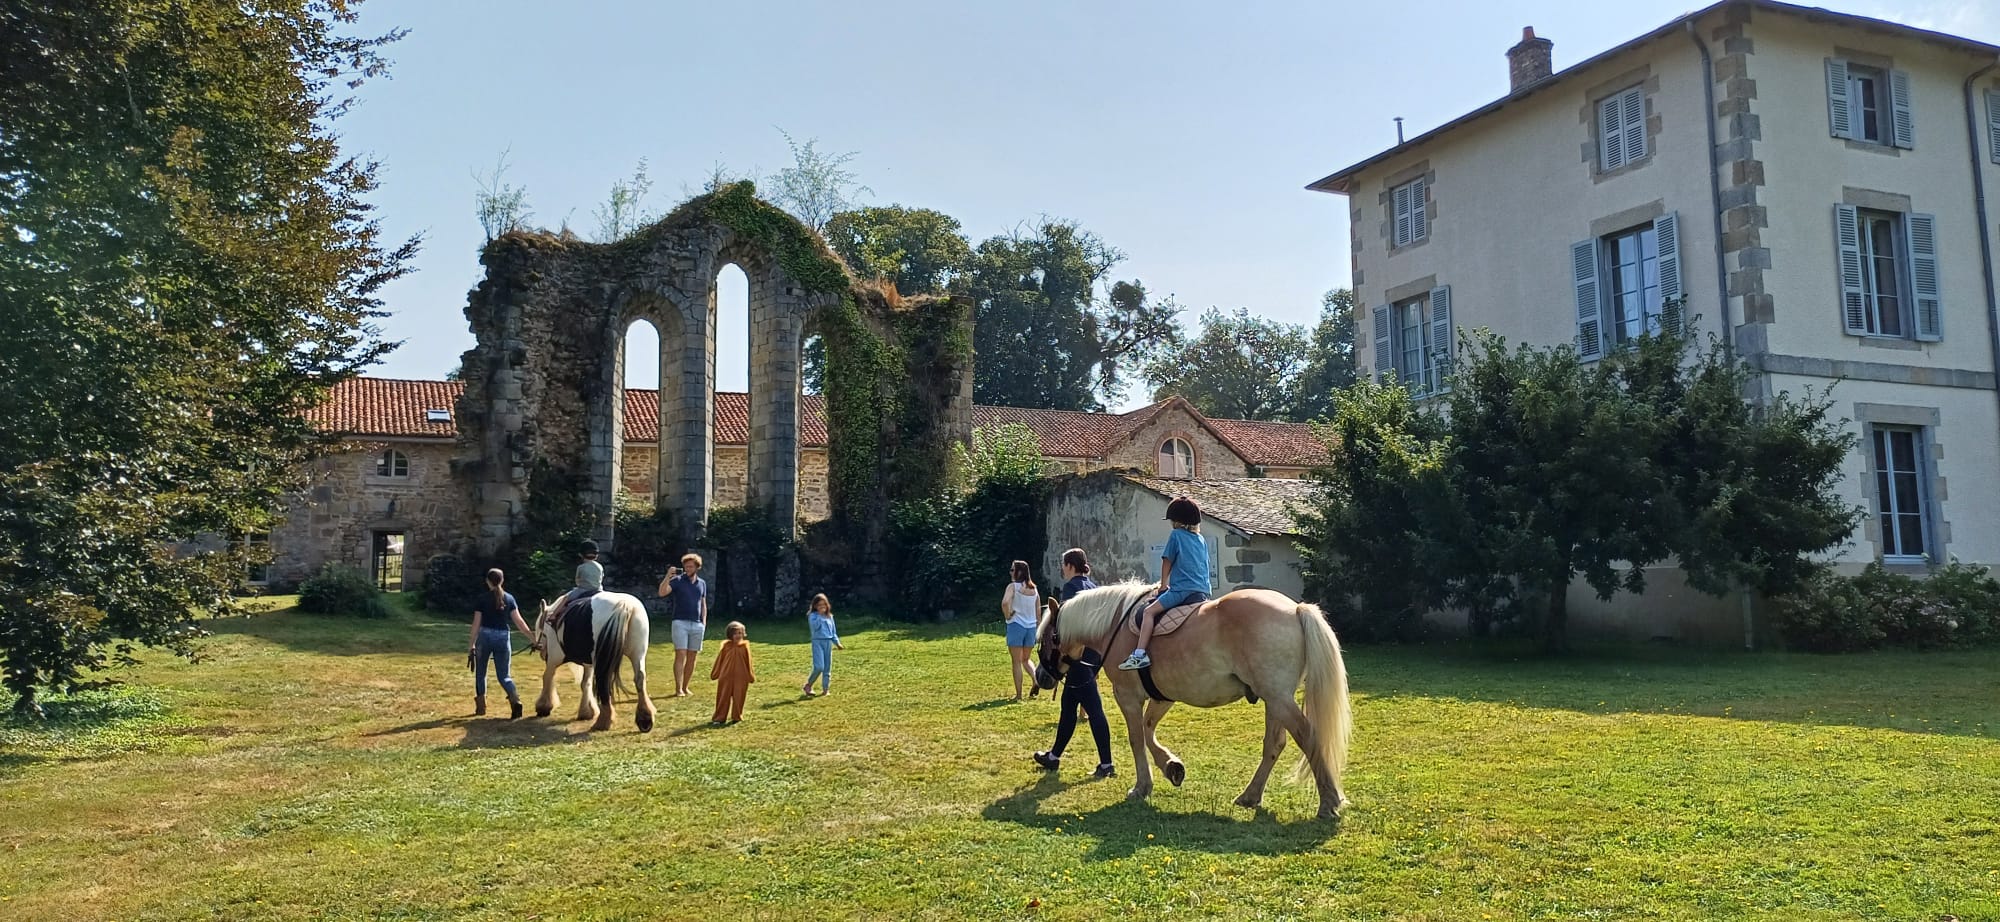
[1118, 518]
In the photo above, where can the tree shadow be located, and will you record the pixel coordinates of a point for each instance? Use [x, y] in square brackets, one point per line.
[346, 635]
[1125, 827]
[1935, 692]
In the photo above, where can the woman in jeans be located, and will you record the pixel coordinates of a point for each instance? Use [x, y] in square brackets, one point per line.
[491, 638]
[1080, 682]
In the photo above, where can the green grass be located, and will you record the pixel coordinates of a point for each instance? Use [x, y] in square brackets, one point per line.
[325, 768]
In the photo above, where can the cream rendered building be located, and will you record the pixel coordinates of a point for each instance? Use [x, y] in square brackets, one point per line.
[1807, 183]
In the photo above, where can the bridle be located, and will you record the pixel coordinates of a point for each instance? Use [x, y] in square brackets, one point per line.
[1051, 652]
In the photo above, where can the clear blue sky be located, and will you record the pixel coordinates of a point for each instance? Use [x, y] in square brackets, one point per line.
[1180, 132]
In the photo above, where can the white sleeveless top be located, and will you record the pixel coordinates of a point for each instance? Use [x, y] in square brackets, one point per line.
[1024, 602]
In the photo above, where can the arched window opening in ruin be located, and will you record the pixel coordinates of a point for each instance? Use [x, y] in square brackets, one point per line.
[812, 365]
[642, 356]
[732, 330]
[392, 463]
[637, 458]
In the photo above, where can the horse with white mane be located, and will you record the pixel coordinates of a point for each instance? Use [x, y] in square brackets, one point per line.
[1251, 643]
[618, 630]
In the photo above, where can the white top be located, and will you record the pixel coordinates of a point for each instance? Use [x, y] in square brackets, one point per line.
[590, 575]
[1024, 602]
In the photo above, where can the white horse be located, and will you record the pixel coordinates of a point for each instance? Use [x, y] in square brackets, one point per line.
[618, 630]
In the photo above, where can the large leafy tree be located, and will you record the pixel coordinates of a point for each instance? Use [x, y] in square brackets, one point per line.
[187, 264]
[920, 250]
[1048, 329]
[1239, 366]
[1329, 360]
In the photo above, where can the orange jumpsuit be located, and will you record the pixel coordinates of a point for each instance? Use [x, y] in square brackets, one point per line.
[732, 679]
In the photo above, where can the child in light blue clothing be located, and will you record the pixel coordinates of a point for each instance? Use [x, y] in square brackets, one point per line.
[1183, 575]
[825, 640]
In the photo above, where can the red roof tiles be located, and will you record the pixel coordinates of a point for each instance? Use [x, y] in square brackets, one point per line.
[395, 408]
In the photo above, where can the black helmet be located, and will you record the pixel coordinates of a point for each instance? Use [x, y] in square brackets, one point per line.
[1183, 511]
[589, 547]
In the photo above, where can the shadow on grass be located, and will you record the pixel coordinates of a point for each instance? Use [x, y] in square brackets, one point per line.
[992, 704]
[1938, 692]
[496, 732]
[942, 630]
[406, 630]
[1127, 826]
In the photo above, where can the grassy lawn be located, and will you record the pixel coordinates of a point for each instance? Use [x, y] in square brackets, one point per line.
[316, 768]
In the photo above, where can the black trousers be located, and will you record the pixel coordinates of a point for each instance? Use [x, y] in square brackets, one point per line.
[1080, 691]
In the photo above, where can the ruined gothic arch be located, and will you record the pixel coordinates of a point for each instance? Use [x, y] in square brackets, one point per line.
[541, 417]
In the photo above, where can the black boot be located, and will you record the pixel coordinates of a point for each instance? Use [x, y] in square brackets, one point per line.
[1104, 771]
[1047, 761]
[479, 705]
[514, 707]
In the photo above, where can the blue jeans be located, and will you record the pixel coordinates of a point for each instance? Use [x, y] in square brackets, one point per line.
[497, 643]
[822, 663]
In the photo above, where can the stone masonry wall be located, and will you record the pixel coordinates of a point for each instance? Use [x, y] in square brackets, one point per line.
[1213, 460]
[345, 503]
[732, 477]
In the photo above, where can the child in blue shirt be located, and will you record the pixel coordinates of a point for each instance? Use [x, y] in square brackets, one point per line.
[1183, 575]
[825, 640]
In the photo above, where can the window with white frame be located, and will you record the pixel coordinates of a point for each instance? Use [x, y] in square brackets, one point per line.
[1628, 284]
[1408, 213]
[1621, 129]
[1176, 459]
[392, 463]
[1413, 341]
[1902, 492]
[1888, 273]
[1869, 104]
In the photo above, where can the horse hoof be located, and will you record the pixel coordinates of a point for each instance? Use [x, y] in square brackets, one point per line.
[542, 712]
[1136, 794]
[645, 722]
[601, 726]
[1175, 772]
[1249, 802]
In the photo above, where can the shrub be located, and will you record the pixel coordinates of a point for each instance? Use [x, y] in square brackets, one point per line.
[1956, 605]
[338, 590]
[951, 548]
[447, 585]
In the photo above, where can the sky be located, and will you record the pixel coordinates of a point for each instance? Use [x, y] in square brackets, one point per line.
[1182, 133]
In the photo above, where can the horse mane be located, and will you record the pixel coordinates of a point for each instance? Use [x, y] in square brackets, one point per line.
[1094, 613]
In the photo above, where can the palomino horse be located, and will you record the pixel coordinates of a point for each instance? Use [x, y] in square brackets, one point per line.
[1251, 643]
[618, 630]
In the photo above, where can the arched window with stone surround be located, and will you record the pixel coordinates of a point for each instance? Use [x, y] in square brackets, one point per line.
[392, 463]
[1176, 459]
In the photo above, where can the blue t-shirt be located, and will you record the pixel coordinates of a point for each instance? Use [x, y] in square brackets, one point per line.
[1075, 585]
[687, 593]
[1189, 555]
[490, 620]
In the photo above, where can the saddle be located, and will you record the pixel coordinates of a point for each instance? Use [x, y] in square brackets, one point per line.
[1170, 620]
[572, 624]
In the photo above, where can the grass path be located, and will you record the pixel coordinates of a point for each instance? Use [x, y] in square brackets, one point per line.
[316, 768]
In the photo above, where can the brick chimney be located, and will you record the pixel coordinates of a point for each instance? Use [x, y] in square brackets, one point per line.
[1529, 62]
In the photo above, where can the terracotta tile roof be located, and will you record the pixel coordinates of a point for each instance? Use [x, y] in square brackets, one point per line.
[1254, 507]
[1272, 444]
[395, 408]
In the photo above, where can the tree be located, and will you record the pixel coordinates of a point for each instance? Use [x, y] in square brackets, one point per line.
[623, 210]
[817, 185]
[918, 249]
[1044, 335]
[190, 264]
[501, 206]
[1238, 367]
[1330, 360]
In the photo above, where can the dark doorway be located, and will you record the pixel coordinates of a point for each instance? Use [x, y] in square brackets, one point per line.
[387, 555]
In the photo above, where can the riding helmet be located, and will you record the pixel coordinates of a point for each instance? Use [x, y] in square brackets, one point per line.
[1183, 511]
[589, 547]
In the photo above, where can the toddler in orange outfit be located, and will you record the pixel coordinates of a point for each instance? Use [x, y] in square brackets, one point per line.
[732, 674]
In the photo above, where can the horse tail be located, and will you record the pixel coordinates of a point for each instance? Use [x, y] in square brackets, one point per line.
[1326, 707]
[606, 676]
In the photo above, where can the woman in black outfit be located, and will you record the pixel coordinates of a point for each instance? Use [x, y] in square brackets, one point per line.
[1080, 681]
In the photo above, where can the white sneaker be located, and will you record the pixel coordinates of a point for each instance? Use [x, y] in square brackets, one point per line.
[1137, 660]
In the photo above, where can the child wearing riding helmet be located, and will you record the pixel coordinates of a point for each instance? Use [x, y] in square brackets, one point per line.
[1183, 575]
[589, 575]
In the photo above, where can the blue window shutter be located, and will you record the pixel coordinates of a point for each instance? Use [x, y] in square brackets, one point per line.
[1667, 228]
[1610, 135]
[1922, 239]
[1903, 133]
[1838, 112]
[1634, 103]
[1847, 243]
[1443, 344]
[1589, 308]
[1993, 125]
[1385, 357]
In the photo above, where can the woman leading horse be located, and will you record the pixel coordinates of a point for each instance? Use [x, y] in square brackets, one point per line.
[1251, 643]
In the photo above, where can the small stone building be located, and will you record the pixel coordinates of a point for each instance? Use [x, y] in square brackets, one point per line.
[387, 501]
[1117, 517]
